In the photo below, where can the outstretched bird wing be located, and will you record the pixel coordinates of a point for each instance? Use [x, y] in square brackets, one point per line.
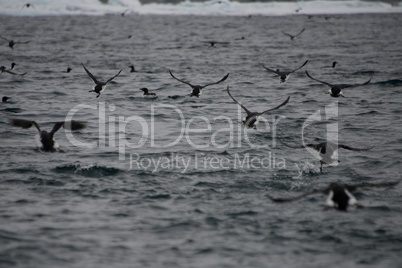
[10, 72]
[320, 81]
[93, 78]
[214, 42]
[20, 42]
[309, 145]
[288, 34]
[241, 105]
[4, 38]
[277, 107]
[343, 86]
[124, 12]
[294, 36]
[354, 149]
[300, 32]
[269, 69]
[71, 125]
[187, 83]
[367, 185]
[223, 79]
[299, 67]
[24, 123]
[113, 77]
[28, 5]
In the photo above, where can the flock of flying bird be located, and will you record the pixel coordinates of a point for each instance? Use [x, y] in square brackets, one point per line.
[339, 195]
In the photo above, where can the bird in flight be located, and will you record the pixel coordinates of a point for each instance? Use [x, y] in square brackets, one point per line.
[11, 42]
[296, 35]
[253, 118]
[3, 69]
[336, 89]
[326, 150]
[283, 76]
[27, 5]
[124, 12]
[213, 43]
[99, 86]
[196, 89]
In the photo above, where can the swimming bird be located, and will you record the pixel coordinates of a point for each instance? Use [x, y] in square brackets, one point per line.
[68, 70]
[4, 70]
[213, 43]
[294, 36]
[196, 89]
[336, 89]
[339, 194]
[132, 69]
[334, 63]
[99, 86]
[147, 93]
[283, 76]
[253, 118]
[326, 150]
[5, 99]
[11, 43]
[45, 140]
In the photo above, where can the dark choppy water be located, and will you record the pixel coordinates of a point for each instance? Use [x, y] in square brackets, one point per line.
[86, 208]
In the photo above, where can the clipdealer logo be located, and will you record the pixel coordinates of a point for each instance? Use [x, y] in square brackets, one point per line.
[113, 130]
[330, 112]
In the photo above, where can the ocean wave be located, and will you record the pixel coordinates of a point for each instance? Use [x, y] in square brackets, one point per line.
[90, 170]
[12, 110]
[391, 82]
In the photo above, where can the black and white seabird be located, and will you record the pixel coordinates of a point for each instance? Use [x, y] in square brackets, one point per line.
[253, 118]
[68, 70]
[132, 69]
[11, 43]
[99, 86]
[196, 89]
[147, 93]
[339, 194]
[294, 36]
[45, 140]
[5, 99]
[283, 76]
[4, 70]
[326, 150]
[213, 43]
[336, 89]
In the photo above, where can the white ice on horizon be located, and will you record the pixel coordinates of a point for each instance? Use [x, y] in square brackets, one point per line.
[212, 7]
